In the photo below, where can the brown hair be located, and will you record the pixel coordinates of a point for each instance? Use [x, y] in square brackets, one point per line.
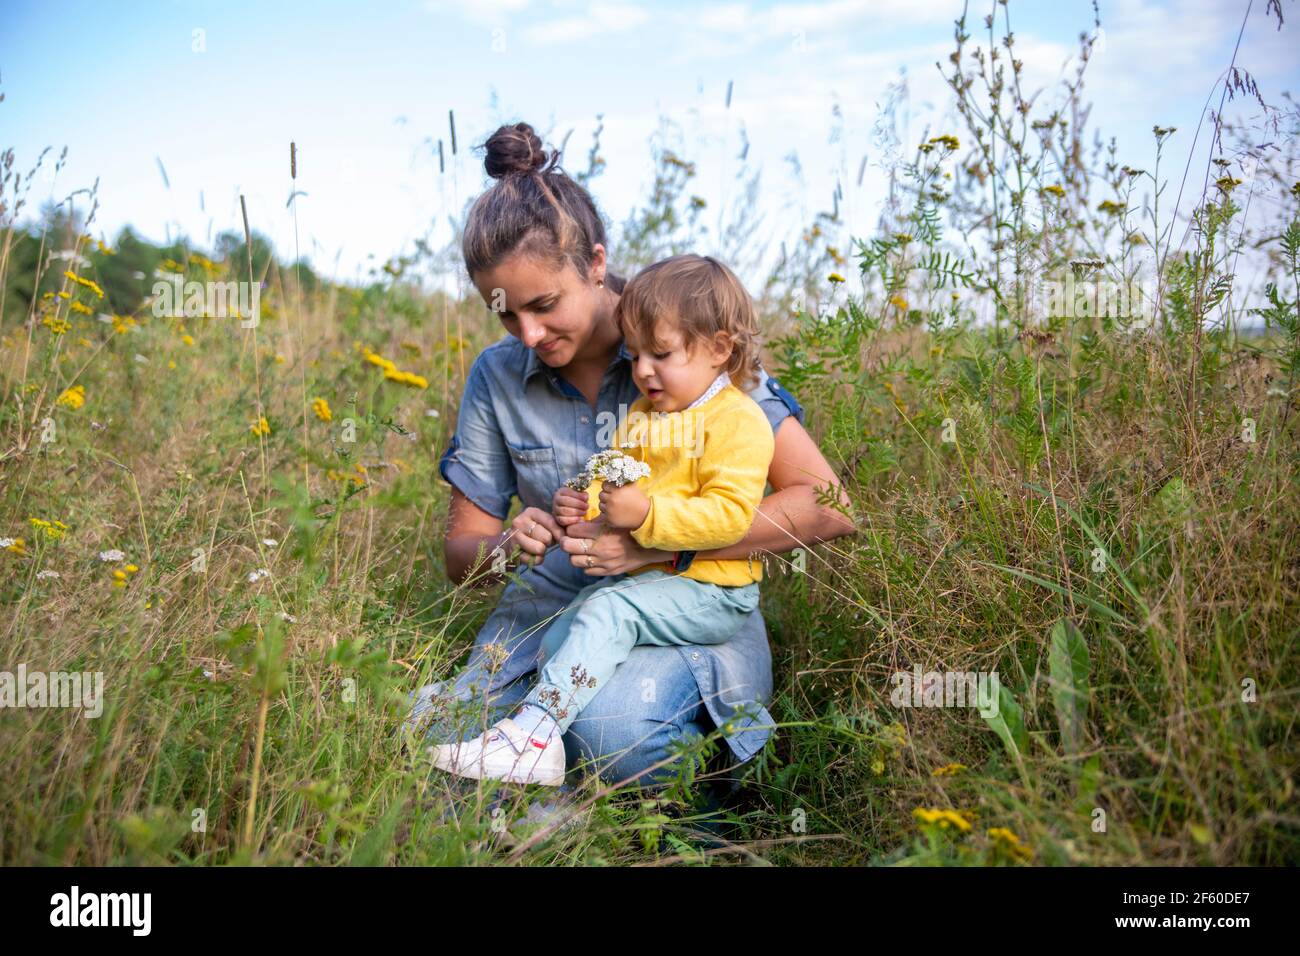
[702, 297]
[534, 208]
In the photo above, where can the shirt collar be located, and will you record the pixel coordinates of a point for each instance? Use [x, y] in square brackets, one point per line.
[533, 365]
[719, 383]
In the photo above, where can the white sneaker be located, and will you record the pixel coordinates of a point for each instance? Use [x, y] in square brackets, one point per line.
[505, 752]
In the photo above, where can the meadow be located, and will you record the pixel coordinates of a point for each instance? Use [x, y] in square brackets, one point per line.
[240, 525]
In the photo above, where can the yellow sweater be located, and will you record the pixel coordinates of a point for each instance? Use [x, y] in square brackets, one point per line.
[708, 469]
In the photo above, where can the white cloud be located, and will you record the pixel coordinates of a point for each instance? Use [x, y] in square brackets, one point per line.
[599, 19]
[489, 13]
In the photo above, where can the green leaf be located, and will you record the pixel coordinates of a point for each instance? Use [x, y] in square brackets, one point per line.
[1080, 597]
[1009, 724]
[1067, 661]
[374, 848]
[1089, 781]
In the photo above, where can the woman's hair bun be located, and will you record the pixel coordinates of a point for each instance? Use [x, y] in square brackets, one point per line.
[514, 150]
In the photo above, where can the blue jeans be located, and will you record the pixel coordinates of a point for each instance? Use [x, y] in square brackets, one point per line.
[584, 646]
[623, 733]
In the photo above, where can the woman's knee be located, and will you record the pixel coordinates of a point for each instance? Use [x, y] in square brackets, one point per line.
[631, 729]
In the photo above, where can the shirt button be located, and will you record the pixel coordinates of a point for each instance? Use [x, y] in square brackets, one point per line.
[585, 420]
[695, 655]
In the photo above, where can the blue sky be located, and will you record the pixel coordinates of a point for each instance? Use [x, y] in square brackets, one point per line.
[364, 88]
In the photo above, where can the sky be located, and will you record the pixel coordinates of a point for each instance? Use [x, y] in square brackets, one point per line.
[213, 92]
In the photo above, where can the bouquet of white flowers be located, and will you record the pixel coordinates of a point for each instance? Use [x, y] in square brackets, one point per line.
[612, 467]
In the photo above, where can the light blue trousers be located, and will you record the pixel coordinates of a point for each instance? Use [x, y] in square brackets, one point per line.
[585, 645]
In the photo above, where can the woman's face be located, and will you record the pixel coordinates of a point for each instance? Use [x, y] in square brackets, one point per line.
[551, 311]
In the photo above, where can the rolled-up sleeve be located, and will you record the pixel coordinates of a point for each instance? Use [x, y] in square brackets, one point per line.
[476, 460]
[777, 404]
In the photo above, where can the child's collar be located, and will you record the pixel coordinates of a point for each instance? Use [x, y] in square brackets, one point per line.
[719, 383]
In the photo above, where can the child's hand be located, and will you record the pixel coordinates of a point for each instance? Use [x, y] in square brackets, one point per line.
[624, 507]
[569, 506]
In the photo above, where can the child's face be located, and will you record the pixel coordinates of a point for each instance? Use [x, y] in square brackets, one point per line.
[675, 377]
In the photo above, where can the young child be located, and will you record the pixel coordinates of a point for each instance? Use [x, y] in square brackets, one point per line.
[692, 331]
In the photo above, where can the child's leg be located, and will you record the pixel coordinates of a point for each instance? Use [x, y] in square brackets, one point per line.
[603, 625]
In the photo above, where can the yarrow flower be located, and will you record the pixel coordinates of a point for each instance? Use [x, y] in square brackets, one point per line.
[612, 467]
[255, 576]
[112, 554]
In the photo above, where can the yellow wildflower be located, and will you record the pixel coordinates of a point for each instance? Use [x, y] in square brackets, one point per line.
[57, 326]
[406, 378]
[16, 545]
[87, 283]
[187, 339]
[73, 397]
[1007, 842]
[1055, 190]
[835, 277]
[948, 770]
[322, 409]
[1111, 207]
[51, 529]
[898, 302]
[84, 310]
[944, 819]
[260, 427]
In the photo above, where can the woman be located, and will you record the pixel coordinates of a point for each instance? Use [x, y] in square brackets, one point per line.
[536, 405]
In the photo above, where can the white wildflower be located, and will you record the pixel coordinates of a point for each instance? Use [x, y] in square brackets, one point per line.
[612, 467]
[255, 576]
[112, 555]
[46, 575]
[270, 542]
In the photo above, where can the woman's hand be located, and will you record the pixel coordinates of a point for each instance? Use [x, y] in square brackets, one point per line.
[569, 506]
[533, 531]
[601, 551]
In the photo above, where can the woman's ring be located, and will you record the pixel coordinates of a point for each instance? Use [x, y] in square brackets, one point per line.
[591, 562]
[586, 545]
[531, 528]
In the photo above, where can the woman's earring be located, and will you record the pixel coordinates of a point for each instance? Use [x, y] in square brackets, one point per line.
[600, 283]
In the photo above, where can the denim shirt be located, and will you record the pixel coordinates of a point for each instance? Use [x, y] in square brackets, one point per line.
[521, 431]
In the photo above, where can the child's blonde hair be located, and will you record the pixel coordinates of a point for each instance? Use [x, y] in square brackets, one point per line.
[702, 297]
